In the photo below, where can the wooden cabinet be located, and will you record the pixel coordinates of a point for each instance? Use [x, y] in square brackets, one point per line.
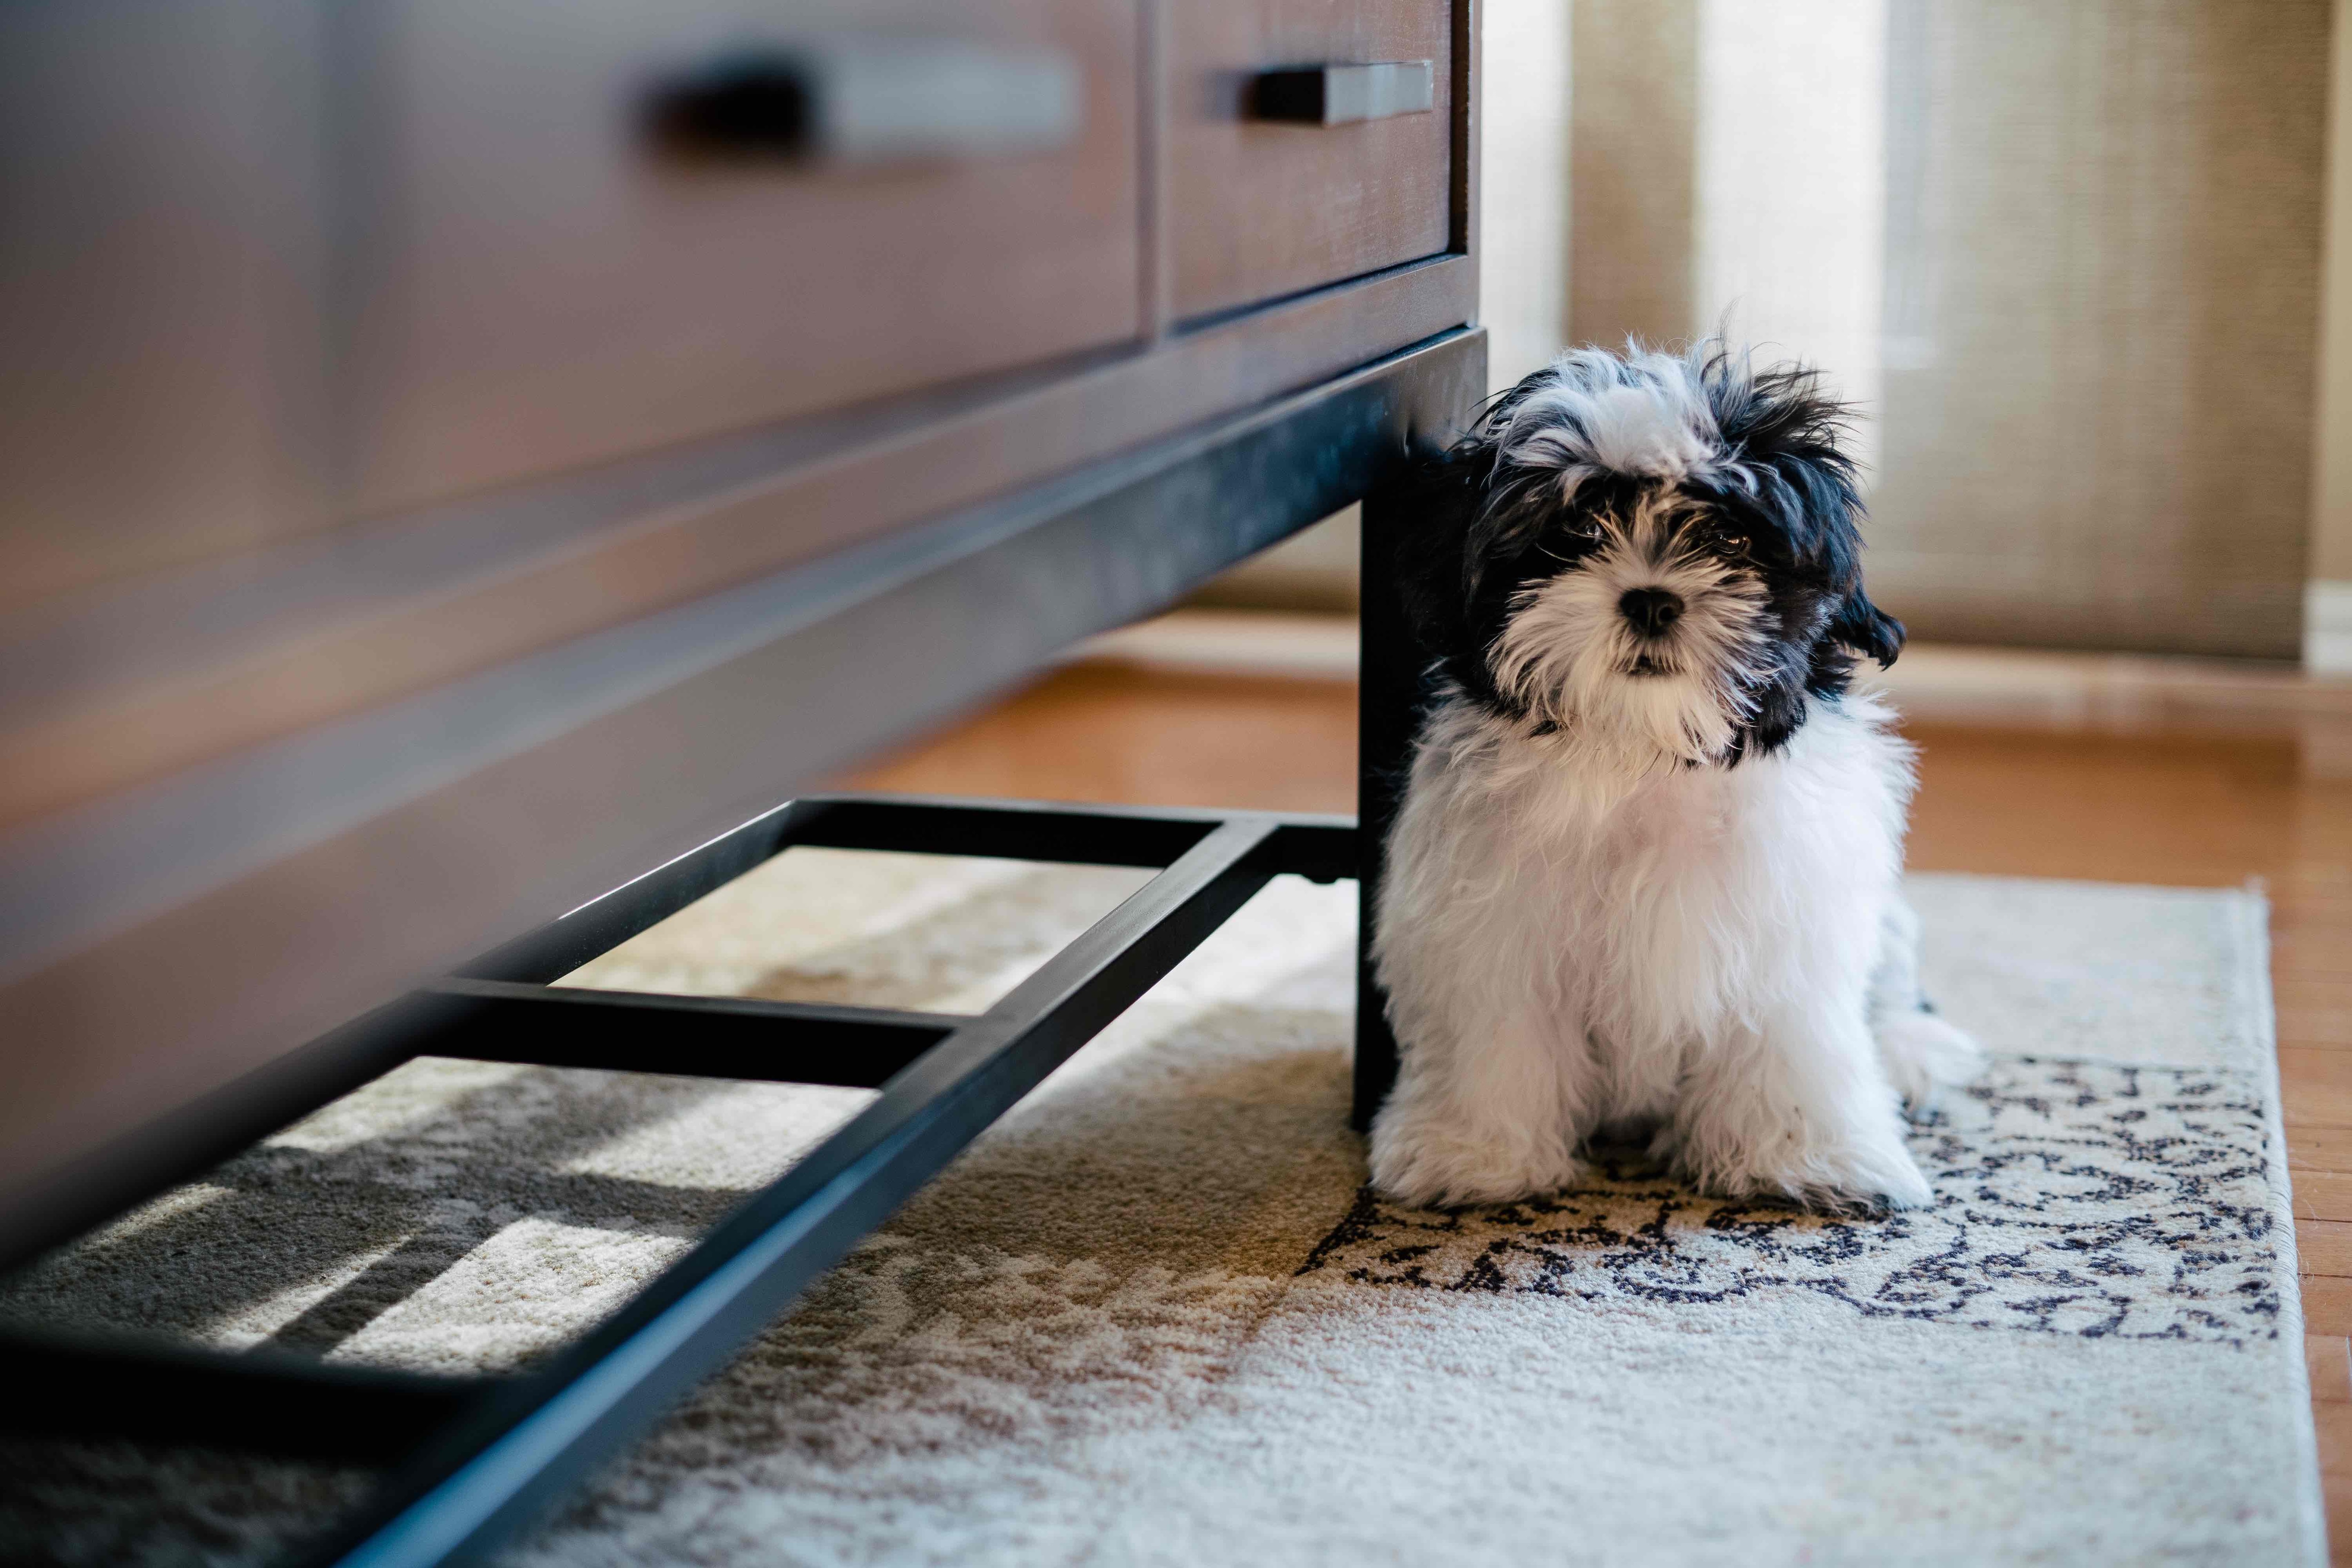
[442, 482]
[1262, 208]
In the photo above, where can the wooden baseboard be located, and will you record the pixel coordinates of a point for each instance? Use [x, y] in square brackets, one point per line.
[1277, 644]
[2083, 693]
[2128, 694]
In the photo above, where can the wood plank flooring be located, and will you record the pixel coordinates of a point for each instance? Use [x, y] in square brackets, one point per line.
[2160, 809]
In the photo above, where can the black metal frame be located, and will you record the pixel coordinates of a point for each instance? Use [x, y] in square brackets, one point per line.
[476, 1459]
[473, 1458]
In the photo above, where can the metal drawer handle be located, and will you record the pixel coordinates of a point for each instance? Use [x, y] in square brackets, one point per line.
[1343, 95]
[872, 101]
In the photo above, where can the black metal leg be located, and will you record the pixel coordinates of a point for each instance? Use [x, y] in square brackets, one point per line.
[1388, 712]
[1385, 703]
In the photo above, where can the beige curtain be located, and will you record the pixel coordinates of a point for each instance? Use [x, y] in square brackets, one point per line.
[2067, 254]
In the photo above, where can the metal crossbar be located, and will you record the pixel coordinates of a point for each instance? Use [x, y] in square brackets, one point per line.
[476, 1459]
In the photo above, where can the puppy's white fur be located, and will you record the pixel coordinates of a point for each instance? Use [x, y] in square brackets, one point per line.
[1589, 922]
[1571, 940]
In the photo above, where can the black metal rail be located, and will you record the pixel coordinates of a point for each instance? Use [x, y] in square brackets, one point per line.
[476, 1459]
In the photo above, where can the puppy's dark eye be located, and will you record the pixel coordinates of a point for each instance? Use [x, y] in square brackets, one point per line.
[1734, 545]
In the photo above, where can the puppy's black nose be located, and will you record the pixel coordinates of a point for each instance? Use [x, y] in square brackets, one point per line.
[1651, 610]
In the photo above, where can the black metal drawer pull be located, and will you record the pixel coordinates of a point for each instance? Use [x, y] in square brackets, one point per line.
[1343, 95]
[880, 100]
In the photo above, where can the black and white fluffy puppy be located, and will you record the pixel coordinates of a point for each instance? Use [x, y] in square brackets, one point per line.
[1644, 875]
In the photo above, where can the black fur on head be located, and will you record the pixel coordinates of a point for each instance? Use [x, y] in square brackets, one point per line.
[1664, 546]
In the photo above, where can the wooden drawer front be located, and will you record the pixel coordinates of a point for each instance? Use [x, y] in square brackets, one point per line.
[1262, 210]
[539, 285]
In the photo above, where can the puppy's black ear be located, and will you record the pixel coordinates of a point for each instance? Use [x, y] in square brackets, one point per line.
[1785, 434]
[1865, 628]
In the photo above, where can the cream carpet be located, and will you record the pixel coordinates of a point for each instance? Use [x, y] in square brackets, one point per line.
[1151, 1317]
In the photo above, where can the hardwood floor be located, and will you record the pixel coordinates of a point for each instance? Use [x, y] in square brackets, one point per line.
[2162, 808]
[1143, 737]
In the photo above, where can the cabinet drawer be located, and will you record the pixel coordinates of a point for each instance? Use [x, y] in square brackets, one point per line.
[1264, 208]
[544, 277]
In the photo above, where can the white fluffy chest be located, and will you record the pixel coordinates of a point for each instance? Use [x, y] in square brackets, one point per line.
[1645, 905]
[1661, 904]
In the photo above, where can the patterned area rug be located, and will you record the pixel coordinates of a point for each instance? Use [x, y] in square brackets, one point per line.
[2081, 1198]
[1153, 1317]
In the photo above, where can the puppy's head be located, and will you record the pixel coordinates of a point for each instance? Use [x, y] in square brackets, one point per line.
[1660, 551]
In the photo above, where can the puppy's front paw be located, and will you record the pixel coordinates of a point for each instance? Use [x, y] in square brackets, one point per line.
[1871, 1173]
[1868, 1178]
[1923, 1054]
[1432, 1161]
